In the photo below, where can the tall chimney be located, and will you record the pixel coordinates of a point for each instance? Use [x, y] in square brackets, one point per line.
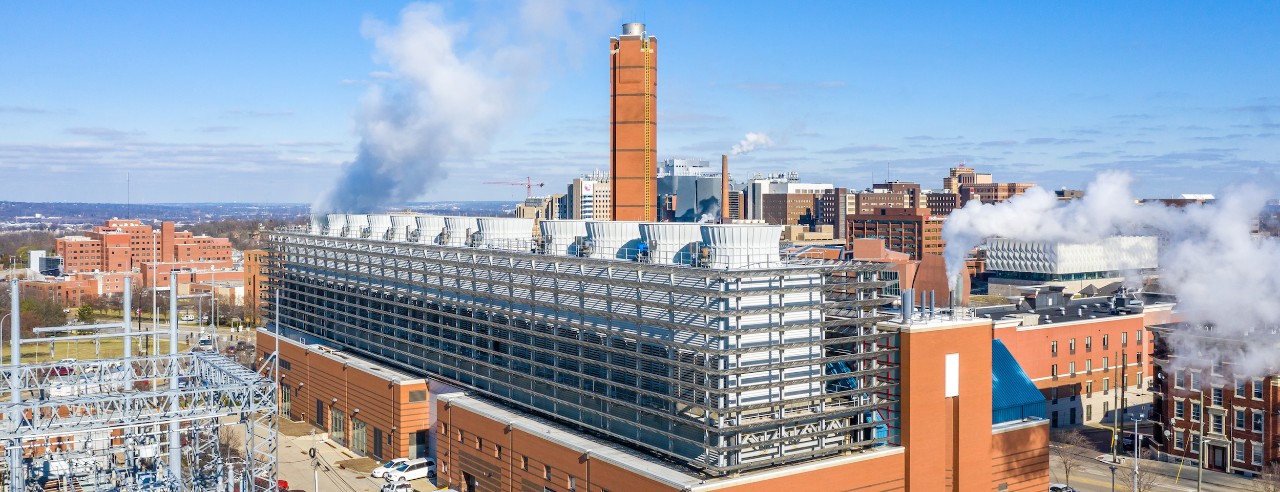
[724, 188]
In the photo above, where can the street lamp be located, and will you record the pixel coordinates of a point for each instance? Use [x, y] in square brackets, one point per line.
[1113, 478]
[1137, 439]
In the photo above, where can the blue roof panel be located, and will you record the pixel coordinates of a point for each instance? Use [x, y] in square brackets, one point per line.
[1013, 396]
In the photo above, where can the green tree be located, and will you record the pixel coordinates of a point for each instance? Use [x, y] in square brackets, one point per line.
[85, 314]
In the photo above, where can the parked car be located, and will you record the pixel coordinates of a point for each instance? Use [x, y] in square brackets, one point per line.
[1057, 487]
[230, 350]
[398, 486]
[65, 367]
[381, 471]
[413, 470]
[188, 317]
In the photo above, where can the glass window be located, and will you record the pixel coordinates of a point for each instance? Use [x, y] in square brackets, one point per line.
[1240, 388]
[1177, 439]
[546, 471]
[1088, 343]
[1217, 424]
[1105, 340]
[1257, 453]
[1072, 367]
[1195, 443]
[1195, 412]
[1257, 389]
[1239, 450]
[1088, 365]
[1177, 409]
[417, 396]
[1072, 344]
[1257, 422]
[1217, 397]
[1053, 370]
[1124, 338]
[1195, 380]
[1239, 419]
[1106, 363]
[1053, 347]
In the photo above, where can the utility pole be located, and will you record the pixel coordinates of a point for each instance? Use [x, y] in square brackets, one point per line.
[315, 462]
[1136, 441]
[1204, 414]
[1115, 416]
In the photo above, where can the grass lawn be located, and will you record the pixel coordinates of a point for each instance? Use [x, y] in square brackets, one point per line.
[110, 348]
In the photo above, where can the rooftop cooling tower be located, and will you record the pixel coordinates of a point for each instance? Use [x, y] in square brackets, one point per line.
[356, 225]
[560, 237]
[429, 228]
[337, 225]
[671, 243]
[613, 239]
[458, 228]
[509, 233]
[379, 224]
[318, 224]
[741, 245]
[401, 227]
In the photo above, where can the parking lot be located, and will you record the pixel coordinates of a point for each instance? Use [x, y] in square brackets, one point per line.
[339, 468]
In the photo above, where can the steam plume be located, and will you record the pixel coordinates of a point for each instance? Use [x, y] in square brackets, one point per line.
[450, 88]
[1221, 275]
[752, 142]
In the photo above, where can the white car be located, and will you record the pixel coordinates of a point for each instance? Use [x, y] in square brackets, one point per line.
[188, 317]
[412, 470]
[400, 486]
[381, 471]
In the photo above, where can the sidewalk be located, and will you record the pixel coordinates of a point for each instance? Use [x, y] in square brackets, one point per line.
[341, 470]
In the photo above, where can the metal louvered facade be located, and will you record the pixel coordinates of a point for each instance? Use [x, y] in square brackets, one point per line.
[719, 369]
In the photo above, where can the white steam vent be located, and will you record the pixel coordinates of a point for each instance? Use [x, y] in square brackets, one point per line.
[402, 227]
[671, 243]
[318, 223]
[379, 224]
[337, 225]
[741, 245]
[457, 229]
[505, 232]
[612, 239]
[356, 225]
[561, 237]
[430, 229]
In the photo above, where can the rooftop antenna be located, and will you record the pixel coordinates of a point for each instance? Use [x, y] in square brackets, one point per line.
[128, 193]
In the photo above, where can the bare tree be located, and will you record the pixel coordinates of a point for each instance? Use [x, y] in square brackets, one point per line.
[1147, 480]
[1269, 481]
[230, 442]
[1068, 447]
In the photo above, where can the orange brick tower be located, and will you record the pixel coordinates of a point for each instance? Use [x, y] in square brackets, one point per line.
[633, 135]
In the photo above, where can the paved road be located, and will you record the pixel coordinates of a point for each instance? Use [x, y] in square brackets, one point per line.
[295, 467]
[1095, 476]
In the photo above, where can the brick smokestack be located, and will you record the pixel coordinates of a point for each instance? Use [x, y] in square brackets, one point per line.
[167, 251]
[724, 188]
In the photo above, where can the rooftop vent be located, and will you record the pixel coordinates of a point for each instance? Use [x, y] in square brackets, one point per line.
[671, 243]
[561, 237]
[430, 229]
[337, 225]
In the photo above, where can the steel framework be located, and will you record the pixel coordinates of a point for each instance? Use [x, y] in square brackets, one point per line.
[154, 422]
[722, 370]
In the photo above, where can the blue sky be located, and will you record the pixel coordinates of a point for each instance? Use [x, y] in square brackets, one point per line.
[257, 101]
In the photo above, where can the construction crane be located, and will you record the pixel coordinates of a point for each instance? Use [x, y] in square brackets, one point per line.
[528, 185]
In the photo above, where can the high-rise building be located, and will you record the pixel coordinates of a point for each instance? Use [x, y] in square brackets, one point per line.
[914, 231]
[633, 128]
[588, 198]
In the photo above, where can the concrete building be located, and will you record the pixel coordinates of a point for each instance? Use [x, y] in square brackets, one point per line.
[760, 185]
[1216, 413]
[690, 190]
[963, 184]
[1087, 268]
[915, 232]
[122, 245]
[588, 198]
[681, 368]
[633, 127]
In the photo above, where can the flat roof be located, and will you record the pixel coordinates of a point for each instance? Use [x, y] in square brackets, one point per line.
[301, 340]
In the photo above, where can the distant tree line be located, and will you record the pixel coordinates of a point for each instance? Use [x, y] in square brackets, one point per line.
[17, 244]
[243, 233]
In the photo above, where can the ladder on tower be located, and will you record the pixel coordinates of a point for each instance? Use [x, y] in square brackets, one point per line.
[648, 170]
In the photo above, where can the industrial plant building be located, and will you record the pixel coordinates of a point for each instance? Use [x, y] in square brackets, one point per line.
[607, 355]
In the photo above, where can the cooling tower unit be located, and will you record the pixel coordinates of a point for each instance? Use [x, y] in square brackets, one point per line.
[402, 227]
[509, 233]
[560, 237]
[319, 222]
[430, 229]
[457, 230]
[741, 246]
[337, 225]
[671, 243]
[379, 224]
[356, 225]
[613, 239]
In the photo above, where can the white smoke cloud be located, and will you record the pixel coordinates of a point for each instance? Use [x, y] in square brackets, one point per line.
[1221, 274]
[752, 142]
[449, 88]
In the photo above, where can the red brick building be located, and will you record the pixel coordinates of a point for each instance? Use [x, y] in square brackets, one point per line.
[1216, 413]
[123, 245]
[915, 232]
